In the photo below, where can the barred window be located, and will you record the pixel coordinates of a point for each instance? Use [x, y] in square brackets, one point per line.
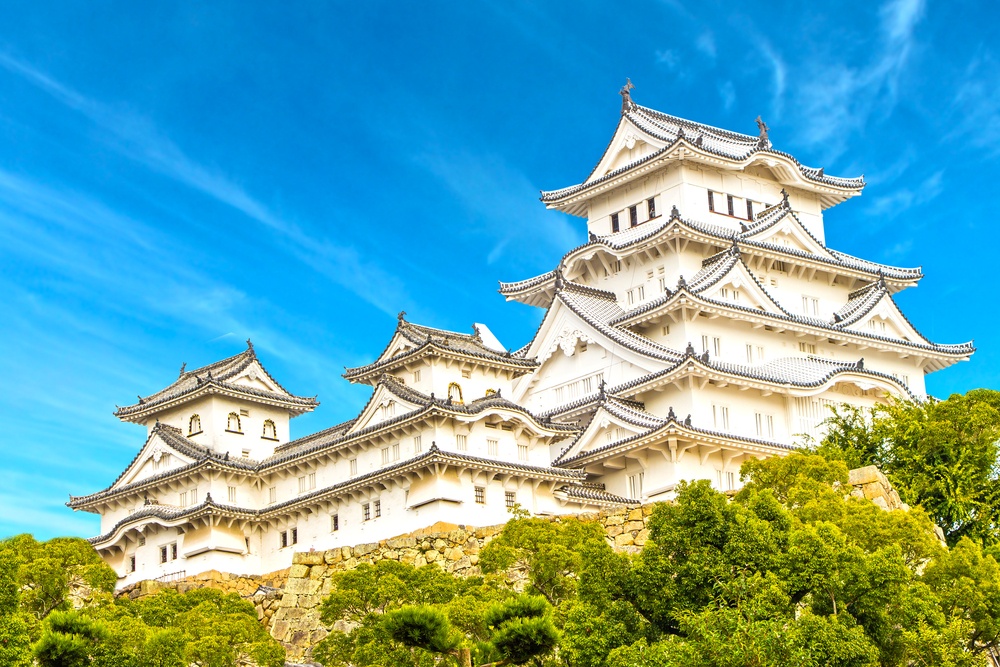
[481, 495]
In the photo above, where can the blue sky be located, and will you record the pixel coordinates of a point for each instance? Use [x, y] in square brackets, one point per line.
[177, 177]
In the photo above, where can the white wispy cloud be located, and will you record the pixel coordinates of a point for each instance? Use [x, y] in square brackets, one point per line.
[705, 44]
[727, 92]
[903, 199]
[835, 100]
[779, 76]
[139, 140]
[975, 111]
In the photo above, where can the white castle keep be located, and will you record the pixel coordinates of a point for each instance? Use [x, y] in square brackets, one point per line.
[705, 322]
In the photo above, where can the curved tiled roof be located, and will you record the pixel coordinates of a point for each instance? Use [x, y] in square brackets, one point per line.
[582, 492]
[432, 456]
[674, 131]
[513, 288]
[672, 423]
[216, 375]
[427, 340]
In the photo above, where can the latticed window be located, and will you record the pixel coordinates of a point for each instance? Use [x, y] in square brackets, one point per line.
[377, 506]
[334, 523]
[493, 447]
[233, 424]
[510, 498]
[366, 512]
[270, 430]
[194, 425]
[522, 452]
[481, 495]
[455, 392]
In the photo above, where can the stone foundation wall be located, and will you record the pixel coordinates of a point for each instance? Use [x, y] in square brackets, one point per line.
[296, 623]
[264, 590]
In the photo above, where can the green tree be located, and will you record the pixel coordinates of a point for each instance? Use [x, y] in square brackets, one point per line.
[15, 640]
[941, 455]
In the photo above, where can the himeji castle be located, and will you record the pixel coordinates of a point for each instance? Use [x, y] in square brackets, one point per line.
[705, 322]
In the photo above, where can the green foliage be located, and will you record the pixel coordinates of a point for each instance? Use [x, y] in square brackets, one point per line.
[15, 639]
[70, 639]
[421, 627]
[940, 455]
[552, 551]
[48, 570]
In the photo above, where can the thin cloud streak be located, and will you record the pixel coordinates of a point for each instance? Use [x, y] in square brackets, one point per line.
[140, 141]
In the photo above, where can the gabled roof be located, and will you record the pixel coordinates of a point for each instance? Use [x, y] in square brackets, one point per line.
[220, 377]
[413, 341]
[609, 409]
[194, 456]
[433, 456]
[426, 405]
[538, 291]
[672, 426]
[673, 137]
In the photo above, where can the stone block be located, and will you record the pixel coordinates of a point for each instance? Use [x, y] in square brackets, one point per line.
[647, 510]
[298, 571]
[402, 542]
[333, 556]
[614, 520]
[279, 630]
[634, 526]
[641, 537]
[363, 549]
[625, 539]
[635, 514]
[866, 475]
[880, 501]
[614, 531]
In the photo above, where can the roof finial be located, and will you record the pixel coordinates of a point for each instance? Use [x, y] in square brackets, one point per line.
[627, 103]
[249, 344]
[784, 198]
[762, 141]
[681, 283]
[687, 420]
[861, 363]
[675, 213]
[140, 398]
[689, 351]
[671, 414]
[183, 366]
[601, 387]
[401, 317]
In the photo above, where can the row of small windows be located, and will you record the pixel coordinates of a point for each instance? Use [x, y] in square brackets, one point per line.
[235, 425]
[510, 497]
[737, 207]
[579, 388]
[763, 421]
[633, 215]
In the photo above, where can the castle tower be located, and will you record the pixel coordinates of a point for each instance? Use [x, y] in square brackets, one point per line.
[706, 321]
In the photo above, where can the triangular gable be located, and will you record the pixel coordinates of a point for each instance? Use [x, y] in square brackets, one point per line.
[739, 286]
[398, 345]
[156, 457]
[603, 430]
[629, 143]
[383, 406]
[788, 232]
[559, 335]
[255, 377]
[886, 320]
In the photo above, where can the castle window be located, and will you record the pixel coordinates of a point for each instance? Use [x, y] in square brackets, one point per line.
[765, 425]
[808, 348]
[711, 202]
[720, 417]
[131, 563]
[163, 554]
[173, 551]
[312, 480]
[729, 203]
[416, 376]
[270, 430]
[455, 392]
[232, 494]
[522, 452]
[510, 498]
[481, 495]
[615, 225]
[272, 494]
[461, 442]
[633, 215]
[493, 447]
[294, 535]
[749, 210]
[183, 501]
[366, 512]
[233, 424]
[377, 506]
[651, 207]
[810, 305]
[395, 452]
[246, 453]
[354, 466]
[334, 523]
[467, 373]
[194, 425]
[635, 485]
[417, 446]
[283, 539]
[302, 484]
[385, 455]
